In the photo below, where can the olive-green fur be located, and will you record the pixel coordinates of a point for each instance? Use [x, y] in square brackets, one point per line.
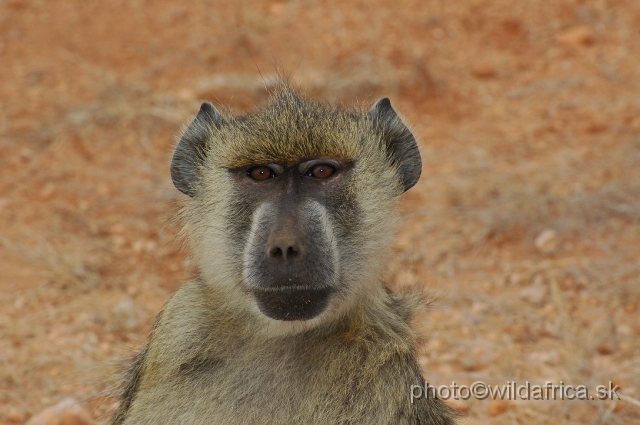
[212, 359]
[204, 365]
[290, 129]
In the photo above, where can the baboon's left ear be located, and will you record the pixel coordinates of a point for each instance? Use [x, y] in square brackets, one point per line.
[400, 142]
[191, 150]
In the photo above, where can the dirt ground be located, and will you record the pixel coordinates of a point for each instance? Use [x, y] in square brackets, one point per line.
[525, 224]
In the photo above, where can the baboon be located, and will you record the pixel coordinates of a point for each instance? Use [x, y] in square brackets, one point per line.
[290, 216]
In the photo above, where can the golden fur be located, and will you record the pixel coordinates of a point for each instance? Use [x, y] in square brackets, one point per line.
[214, 359]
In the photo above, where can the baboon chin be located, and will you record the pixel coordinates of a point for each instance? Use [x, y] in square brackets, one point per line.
[289, 215]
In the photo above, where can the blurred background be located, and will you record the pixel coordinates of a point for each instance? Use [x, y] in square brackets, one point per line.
[525, 225]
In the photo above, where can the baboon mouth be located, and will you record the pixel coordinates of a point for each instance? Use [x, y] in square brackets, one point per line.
[292, 302]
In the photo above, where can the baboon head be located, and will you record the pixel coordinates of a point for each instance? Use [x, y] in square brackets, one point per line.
[292, 209]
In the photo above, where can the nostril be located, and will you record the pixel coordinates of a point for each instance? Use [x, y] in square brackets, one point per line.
[284, 247]
[288, 253]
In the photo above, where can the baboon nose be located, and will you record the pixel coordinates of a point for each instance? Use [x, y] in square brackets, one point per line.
[284, 248]
[287, 253]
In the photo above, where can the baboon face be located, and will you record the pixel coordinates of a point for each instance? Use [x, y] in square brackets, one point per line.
[302, 197]
[291, 258]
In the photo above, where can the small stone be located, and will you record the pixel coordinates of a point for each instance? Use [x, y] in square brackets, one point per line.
[15, 416]
[596, 125]
[581, 413]
[535, 293]
[19, 303]
[276, 9]
[484, 70]
[179, 13]
[3, 203]
[520, 332]
[186, 95]
[497, 407]
[606, 348]
[105, 348]
[547, 241]
[477, 308]
[576, 36]
[119, 241]
[125, 314]
[47, 192]
[26, 153]
[66, 412]
[469, 364]
[516, 278]
[624, 330]
[551, 329]
[103, 189]
[137, 246]
[460, 406]
[118, 229]
[406, 279]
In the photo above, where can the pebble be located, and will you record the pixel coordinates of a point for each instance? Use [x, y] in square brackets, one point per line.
[484, 70]
[125, 314]
[497, 407]
[520, 332]
[547, 241]
[460, 406]
[406, 279]
[534, 293]
[606, 347]
[576, 36]
[66, 412]
[15, 416]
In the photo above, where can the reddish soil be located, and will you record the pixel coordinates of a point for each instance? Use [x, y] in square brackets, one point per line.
[525, 224]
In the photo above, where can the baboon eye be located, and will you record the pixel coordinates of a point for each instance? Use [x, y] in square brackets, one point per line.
[261, 173]
[321, 171]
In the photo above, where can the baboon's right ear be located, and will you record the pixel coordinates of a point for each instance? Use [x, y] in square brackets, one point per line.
[400, 141]
[191, 150]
